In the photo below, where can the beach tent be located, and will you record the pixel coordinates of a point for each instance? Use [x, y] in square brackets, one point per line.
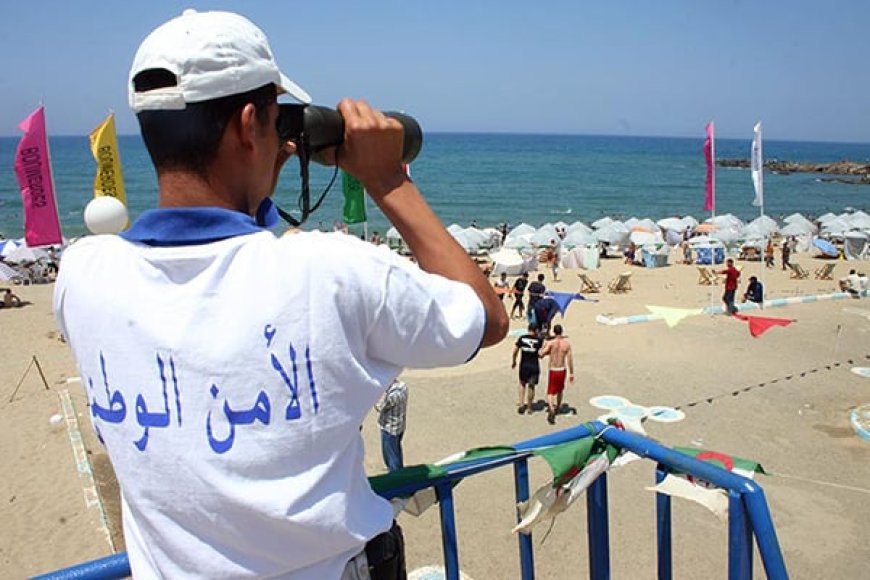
[581, 257]
[509, 261]
[856, 245]
[605, 221]
[655, 258]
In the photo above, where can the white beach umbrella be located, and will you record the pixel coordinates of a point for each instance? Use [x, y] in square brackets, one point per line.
[455, 228]
[765, 224]
[393, 234]
[493, 235]
[521, 229]
[826, 218]
[648, 224]
[462, 238]
[9, 247]
[579, 238]
[605, 221]
[476, 236]
[726, 221]
[631, 222]
[689, 222]
[26, 254]
[859, 221]
[7, 272]
[579, 226]
[836, 227]
[560, 225]
[727, 236]
[640, 238]
[518, 242]
[545, 235]
[797, 216]
[671, 223]
[798, 228]
[615, 233]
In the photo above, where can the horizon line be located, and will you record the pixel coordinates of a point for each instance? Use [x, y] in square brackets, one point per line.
[547, 134]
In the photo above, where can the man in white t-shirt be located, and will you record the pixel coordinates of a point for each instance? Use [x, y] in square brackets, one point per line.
[227, 370]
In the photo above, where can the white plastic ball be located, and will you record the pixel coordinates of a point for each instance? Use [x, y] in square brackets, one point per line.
[105, 215]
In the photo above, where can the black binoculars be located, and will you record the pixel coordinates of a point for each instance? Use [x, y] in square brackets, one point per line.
[317, 128]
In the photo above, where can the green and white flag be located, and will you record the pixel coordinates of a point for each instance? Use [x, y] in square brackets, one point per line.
[703, 492]
[354, 199]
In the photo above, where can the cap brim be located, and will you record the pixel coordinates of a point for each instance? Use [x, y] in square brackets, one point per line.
[289, 87]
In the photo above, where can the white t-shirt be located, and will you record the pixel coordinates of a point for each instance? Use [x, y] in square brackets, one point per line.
[228, 381]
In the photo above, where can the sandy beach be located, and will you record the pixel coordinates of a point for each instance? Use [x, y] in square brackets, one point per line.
[781, 399]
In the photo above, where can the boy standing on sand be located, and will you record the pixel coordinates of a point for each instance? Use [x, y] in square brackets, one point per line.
[529, 345]
[559, 350]
[732, 275]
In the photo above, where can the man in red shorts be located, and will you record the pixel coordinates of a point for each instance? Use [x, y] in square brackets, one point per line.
[559, 350]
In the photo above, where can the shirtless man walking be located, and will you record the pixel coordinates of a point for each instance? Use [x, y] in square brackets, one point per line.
[560, 353]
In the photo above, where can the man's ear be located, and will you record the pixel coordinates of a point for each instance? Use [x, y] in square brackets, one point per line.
[248, 126]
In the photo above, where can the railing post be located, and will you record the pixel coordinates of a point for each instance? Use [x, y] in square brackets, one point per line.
[739, 539]
[663, 529]
[448, 530]
[521, 485]
[598, 529]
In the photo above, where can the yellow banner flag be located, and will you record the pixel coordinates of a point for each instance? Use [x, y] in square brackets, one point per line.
[104, 146]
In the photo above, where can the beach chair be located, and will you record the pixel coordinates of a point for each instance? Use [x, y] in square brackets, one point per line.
[798, 273]
[825, 272]
[621, 283]
[589, 286]
[706, 277]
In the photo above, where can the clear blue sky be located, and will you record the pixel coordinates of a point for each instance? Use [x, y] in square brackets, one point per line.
[615, 67]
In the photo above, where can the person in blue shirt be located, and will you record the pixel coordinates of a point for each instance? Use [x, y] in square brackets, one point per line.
[754, 291]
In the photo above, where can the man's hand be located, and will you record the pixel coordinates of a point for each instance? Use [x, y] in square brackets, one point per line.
[372, 147]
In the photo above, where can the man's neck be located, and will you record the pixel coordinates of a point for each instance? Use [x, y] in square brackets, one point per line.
[184, 189]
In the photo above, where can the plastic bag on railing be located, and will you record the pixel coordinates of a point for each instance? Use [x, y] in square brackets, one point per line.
[715, 499]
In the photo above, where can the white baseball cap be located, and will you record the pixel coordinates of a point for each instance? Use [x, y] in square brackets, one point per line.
[212, 55]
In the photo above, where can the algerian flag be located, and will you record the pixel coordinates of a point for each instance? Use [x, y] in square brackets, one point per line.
[713, 498]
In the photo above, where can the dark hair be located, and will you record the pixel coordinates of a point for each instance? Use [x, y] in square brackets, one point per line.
[540, 277]
[557, 329]
[188, 139]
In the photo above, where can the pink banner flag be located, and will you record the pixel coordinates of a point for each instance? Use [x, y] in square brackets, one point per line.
[33, 169]
[710, 186]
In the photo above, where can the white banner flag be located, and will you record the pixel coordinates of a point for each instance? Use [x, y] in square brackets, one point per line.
[757, 164]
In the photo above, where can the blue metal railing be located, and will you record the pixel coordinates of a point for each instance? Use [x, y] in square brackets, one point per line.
[748, 515]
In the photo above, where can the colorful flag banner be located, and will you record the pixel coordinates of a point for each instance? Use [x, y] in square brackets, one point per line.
[757, 165]
[33, 169]
[713, 498]
[758, 325]
[354, 199]
[109, 179]
[710, 184]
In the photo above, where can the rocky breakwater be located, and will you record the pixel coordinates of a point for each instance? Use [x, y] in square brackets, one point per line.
[857, 173]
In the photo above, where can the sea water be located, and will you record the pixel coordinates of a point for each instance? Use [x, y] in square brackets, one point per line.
[493, 178]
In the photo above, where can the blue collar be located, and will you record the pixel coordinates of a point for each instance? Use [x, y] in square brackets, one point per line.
[185, 226]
